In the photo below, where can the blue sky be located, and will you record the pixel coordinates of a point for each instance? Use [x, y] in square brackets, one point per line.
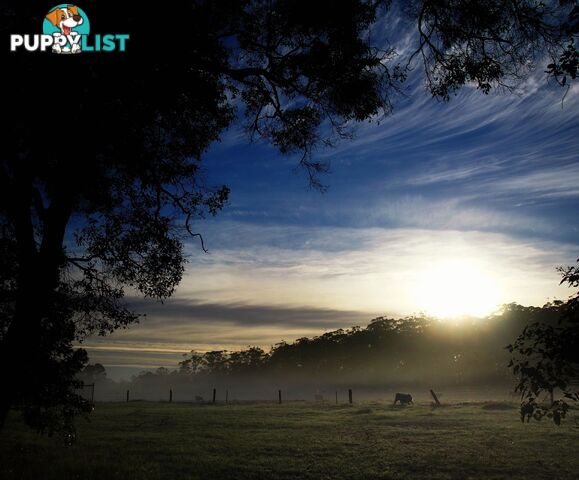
[484, 187]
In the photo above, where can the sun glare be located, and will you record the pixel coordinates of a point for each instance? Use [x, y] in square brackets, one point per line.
[457, 288]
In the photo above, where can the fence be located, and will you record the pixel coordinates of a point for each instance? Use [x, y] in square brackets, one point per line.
[212, 396]
[226, 395]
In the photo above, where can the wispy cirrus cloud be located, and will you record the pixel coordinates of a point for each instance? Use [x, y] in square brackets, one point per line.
[548, 182]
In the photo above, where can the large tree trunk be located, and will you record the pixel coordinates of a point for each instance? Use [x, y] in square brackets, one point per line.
[22, 351]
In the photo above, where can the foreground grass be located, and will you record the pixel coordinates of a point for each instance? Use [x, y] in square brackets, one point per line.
[295, 441]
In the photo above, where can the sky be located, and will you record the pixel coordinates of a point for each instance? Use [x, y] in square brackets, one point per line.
[446, 208]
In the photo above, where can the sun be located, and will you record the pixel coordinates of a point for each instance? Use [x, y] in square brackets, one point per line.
[457, 288]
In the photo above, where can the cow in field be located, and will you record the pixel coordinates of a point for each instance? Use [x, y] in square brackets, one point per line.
[403, 398]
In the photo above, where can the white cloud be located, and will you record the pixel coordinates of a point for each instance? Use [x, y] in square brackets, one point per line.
[559, 182]
[368, 269]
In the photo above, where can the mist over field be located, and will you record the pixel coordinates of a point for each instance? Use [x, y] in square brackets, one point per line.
[463, 359]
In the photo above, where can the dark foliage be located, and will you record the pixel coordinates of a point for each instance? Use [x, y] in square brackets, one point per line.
[493, 43]
[546, 358]
[406, 351]
[100, 182]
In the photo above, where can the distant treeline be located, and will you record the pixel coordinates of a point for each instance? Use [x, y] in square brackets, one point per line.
[412, 350]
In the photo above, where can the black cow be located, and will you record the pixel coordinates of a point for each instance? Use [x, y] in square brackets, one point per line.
[403, 398]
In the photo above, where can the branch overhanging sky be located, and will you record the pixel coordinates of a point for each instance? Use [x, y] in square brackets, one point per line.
[489, 179]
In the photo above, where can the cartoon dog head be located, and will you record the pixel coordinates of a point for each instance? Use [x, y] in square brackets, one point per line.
[65, 18]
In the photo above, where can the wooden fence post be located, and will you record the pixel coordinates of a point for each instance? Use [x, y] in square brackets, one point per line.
[214, 394]
[170, 395]
[127, 396]
[435, 397]
[336, 397]
[279, 396]
[350, 395]
[226, 396]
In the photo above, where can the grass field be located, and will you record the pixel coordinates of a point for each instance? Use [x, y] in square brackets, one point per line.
[297, 440]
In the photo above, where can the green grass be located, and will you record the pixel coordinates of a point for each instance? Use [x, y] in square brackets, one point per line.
[296, 441]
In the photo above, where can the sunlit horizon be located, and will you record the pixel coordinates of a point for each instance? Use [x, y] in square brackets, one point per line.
[260, 291]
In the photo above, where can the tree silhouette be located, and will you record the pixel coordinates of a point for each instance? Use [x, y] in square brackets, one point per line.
[492, 43]
[100, 178]
[417, 351]
[546, 358]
